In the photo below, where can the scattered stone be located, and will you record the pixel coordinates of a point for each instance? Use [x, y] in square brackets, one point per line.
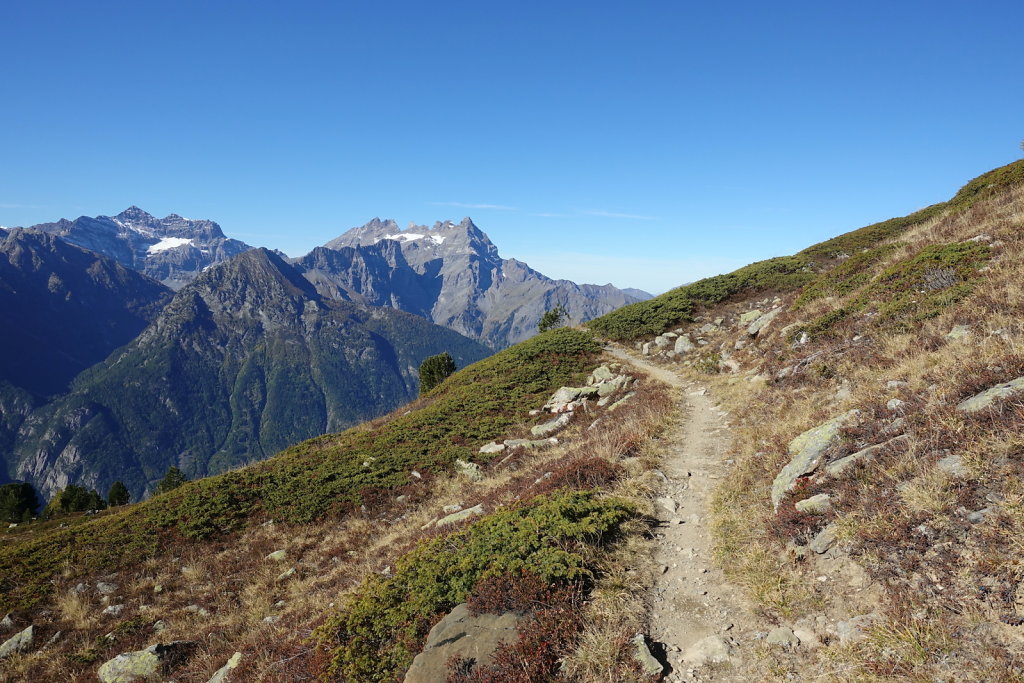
[807, 638]
[284, 576]
[895, 384]
[782, 637]
[6, 624]
[958, 332]
[684, 344]
[710, 650]
[448, 509]
[277, 556]
[456, 517]
[649, 666]
[978, 516]
[602, 374]
[460, 634]
[20, 642]
[272, 619]
[104, 588]
[762, 322]
[953, 465]
[825, 539]
[666, 503]
[662, 342]
[492, 447]
[707, 328]
[807, 451]
[158, 588]
[198, 611]
[855, 629]
[987, 398]
[114, 610]
[415, 475]
[835, 469]
[223, 674]
[620, 401]
[895, 404]
[815, 505]
[750, 316]
[469, 470]
[145, 664]
[550, 427]
[159, 625]
[561, 399]
[646, 349]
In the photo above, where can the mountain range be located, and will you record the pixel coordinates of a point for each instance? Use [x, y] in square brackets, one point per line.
[236, 352]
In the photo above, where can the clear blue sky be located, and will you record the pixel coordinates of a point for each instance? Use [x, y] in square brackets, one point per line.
[643, 143]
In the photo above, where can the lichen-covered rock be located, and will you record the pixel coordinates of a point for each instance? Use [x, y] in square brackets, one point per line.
[20, 642]
[469, 470]
[762, 322]
[223, 674]
[492, 447]
[602, 374]
[815, 505]
[987, 399]
[807, 452]
[825, 539]
[684, 344]
[750, 316]
[145, 664]
[835, 469]
[649, 666]
[552, 426]
[277, 556]
[456, 517]
[460, 634]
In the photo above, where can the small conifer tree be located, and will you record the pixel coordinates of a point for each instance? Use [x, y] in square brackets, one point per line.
[435, 370]
[172, 480]
[118, 494]
[552, 319]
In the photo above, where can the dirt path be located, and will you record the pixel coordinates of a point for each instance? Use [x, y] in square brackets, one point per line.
[698, 618]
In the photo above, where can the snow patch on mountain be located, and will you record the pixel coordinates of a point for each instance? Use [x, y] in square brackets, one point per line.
[168, 243]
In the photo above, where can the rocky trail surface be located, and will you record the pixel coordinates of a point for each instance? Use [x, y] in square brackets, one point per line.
[701, 626]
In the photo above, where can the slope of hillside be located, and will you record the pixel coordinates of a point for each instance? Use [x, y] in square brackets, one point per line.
[452, 274]
[874, 506]
[334, 532]
[244, 361]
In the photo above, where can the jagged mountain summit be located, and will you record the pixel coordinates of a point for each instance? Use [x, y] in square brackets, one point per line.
[245, 360]
[451, 273]
[173, 250]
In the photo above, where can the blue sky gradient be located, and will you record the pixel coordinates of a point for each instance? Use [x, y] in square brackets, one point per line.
[646, 143]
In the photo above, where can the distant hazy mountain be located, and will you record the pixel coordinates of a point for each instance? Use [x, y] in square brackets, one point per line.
[63, 309]
[451, 274]
[172, 250]
[245, 360]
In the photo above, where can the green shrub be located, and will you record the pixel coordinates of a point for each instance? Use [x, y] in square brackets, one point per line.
[318, 477]
[375, 636]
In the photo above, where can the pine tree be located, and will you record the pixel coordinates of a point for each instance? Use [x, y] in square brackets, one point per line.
[551, 319]
[118, 494]
[17, 502]
[172, 480]
[435, 370]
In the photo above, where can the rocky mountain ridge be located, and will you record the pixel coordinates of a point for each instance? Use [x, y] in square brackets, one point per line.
[242, 362]
[452, 274]
[173, 249]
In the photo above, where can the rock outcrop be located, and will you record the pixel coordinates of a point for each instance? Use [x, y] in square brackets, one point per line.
[462, 635]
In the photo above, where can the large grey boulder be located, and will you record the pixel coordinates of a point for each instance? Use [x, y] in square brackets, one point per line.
[807, 452]
[763, 322]
[460, 634]
[552, 426]
[649, 665]
[750, 316]
[684, 344]
[469, 470]
[838, 467]
[987, 398]
[147, 664]
[20, 642]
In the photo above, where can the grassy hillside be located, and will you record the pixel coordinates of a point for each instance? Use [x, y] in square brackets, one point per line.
[346, 507]
[919, 538]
